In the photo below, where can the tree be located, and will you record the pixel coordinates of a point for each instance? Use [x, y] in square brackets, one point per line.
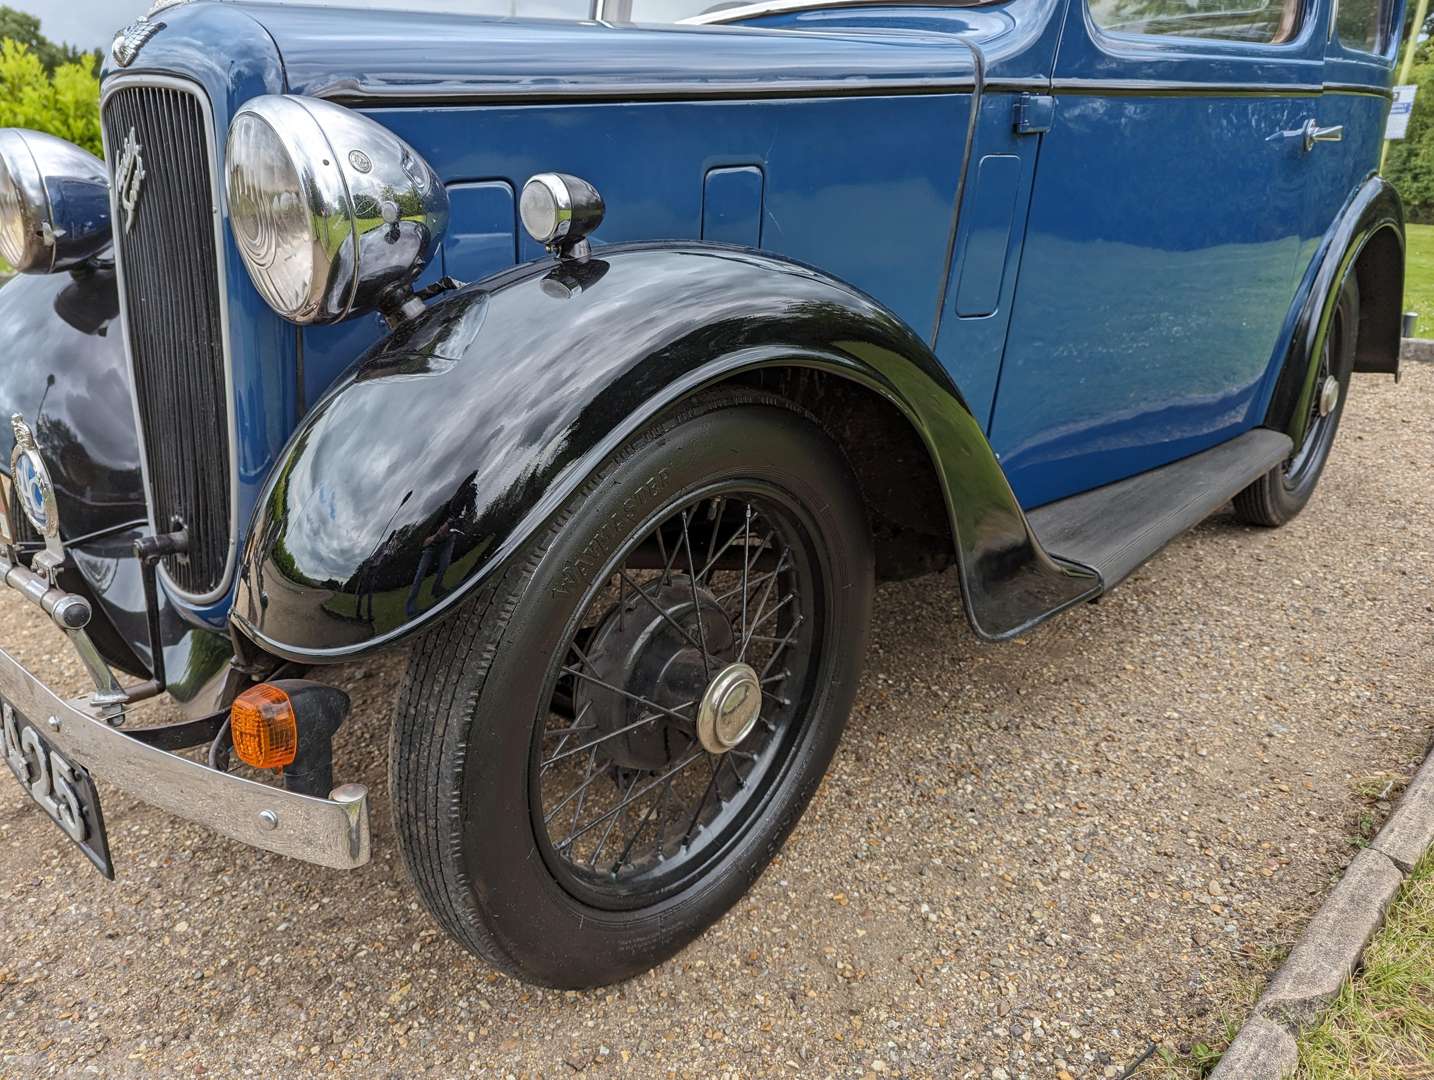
[25, 29]
[64, 104]
[1410, 165]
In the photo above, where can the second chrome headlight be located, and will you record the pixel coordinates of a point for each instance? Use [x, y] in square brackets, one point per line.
[333, 213]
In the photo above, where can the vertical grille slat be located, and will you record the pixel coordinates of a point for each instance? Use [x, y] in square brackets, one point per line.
[169, 263]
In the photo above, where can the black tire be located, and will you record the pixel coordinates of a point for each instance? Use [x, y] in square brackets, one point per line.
[467, 766]
[1282, 493]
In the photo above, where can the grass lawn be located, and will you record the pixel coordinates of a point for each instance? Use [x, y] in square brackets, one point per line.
[1382, 1025]
[1419, 277]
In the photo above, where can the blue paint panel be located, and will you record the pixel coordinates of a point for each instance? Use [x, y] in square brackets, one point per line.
[1148, 312]
[987, 234]
[970, 348]
[861, 209]
[482, 236]
[732, 206]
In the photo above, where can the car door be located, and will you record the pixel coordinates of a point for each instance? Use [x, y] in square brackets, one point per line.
[1163, 237]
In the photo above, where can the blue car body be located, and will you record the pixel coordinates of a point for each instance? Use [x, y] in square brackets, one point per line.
[1100, 252]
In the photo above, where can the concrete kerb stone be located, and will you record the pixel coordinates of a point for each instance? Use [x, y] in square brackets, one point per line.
[1330, 948]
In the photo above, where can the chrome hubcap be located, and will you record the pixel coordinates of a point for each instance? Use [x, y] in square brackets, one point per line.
[1328, 395]
[729, 709]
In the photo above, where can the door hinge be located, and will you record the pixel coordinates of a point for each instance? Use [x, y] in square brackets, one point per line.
[1034, 113]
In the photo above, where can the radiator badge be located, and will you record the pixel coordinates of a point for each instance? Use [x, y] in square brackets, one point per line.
[129, 176]
[33, 490]
[131, 39]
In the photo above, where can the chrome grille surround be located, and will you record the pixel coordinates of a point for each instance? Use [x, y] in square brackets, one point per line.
[181, 441]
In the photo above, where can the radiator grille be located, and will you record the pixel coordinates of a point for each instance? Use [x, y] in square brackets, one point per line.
[171, 294]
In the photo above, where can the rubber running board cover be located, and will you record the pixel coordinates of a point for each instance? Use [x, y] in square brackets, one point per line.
[1115, 528]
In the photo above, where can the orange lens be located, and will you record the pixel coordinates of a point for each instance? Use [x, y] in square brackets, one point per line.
[265, 731]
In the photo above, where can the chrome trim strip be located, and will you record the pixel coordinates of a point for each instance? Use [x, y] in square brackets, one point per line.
[115, 83]
[330, 832]
[778, 7]
[348, 93]
[1172, 87]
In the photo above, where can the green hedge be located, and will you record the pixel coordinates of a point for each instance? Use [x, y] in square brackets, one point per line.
[65, 103]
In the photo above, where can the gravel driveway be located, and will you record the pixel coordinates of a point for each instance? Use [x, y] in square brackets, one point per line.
[1028, 860]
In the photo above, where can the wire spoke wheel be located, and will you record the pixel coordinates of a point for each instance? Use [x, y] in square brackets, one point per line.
[600, 752]
[679, 697]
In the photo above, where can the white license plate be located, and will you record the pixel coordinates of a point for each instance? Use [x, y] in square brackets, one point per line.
[59, 787]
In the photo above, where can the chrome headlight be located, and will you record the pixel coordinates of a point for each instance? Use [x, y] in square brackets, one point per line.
[54, 202]
[333, 214]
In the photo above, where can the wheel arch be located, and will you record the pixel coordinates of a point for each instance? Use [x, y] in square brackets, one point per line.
[1367, 240]
[494, 445]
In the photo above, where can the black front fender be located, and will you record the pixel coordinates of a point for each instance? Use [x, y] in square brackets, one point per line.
[63, 368]
[483, 415]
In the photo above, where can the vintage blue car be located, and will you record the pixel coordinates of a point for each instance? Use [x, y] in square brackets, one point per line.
[604, 354]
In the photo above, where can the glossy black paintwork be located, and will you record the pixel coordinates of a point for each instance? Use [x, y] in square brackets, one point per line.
[66, 373]
[195, 658]
[1373, 208]
[473, 424]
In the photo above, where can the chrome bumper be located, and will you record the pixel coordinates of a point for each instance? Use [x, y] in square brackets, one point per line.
[330, 832]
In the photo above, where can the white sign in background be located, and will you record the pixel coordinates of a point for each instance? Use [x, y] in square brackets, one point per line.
[1399, 112]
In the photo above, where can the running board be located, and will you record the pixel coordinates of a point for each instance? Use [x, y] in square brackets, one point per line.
[1115, 528]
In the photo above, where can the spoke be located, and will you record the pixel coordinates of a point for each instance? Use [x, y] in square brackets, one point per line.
[662, 550]
[622, 805]
[612, 824]
[583, 798]
[696, 603]
[642, 825]
[576, 673]
[746, 563]
[741, 780]
[769, 616]
[570, 796]
[697, 813]
[780, 646]
[665, 616]
[568, 733]
[739, 531]
[760, 579]
[602, 739]
[762, 604]
[712, 540]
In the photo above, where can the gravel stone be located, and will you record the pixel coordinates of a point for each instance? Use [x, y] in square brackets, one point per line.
[1210, 720]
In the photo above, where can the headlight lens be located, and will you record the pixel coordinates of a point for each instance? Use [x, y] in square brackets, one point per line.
[13, 229]
[333, 214]
[271, 225]
[54, 202]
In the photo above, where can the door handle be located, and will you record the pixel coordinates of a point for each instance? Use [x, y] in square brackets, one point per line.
[1313, 133]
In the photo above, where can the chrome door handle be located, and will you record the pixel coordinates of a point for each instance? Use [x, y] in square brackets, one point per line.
[1313, 133]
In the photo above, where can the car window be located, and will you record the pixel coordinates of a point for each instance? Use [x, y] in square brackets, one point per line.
[1360, 24]
[1262, 21]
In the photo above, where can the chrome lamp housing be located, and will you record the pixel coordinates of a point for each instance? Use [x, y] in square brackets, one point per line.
[559, 211]
[333, 214]
[54, 202]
